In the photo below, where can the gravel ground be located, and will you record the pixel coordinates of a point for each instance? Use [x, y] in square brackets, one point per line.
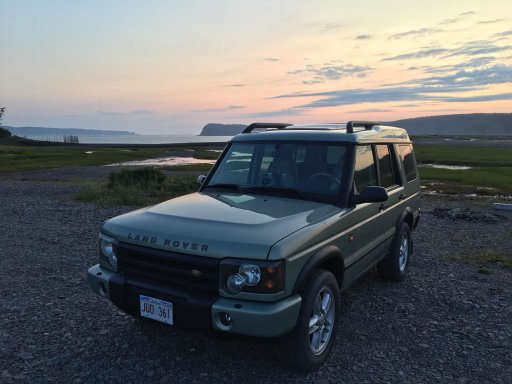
[446, 323]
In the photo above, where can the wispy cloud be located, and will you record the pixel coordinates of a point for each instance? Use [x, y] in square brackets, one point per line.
[471, 48]
[226, 109]
[331, 26]
[271, 114]
[371, 110]
[142, 112]
[134, 112]
[469, 99]
[481, 47]
[474, 63]
[416, 33]
[458, 18]
[503, 34]
[330, 71]
[432, 88]
[497, 74]
[363, 37]
[429, 52]
[270, 59]
[489, 21]
[236, 85]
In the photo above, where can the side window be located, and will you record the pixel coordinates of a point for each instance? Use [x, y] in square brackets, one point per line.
[387, 166]
[364, 172]
[407, 157]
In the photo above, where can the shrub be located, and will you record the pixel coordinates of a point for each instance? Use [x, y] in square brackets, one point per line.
[4, 133]
[143, 178]
[136, 187]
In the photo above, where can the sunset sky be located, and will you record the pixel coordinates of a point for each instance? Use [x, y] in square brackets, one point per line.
[170, 67]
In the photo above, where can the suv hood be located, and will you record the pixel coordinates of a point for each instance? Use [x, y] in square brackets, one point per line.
[218, 225]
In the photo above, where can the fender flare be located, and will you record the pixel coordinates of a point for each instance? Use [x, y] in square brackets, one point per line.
[326, 254]
[406, 216]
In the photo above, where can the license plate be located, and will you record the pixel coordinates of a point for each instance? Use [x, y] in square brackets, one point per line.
[156, 309]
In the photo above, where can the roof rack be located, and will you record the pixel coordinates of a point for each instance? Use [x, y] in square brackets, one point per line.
[366, 124]
[254, 126]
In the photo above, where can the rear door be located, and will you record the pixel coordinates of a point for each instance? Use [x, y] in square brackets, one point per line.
[389, 178]
[373, 223]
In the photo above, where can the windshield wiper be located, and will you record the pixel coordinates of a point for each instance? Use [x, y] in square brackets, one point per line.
[225, 186]
[288, 191]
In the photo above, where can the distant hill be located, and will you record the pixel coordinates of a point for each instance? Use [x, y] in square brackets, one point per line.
[213, 129]
[44, 131]
[474, 124]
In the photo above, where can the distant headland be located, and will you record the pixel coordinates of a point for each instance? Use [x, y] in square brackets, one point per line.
[474, 124]
[29, 131]
[214, 129]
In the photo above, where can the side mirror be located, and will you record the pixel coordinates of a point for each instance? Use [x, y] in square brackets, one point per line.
[371, 195]
[201, 179]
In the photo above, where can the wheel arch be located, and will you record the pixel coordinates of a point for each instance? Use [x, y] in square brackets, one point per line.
[406, 216]
[328, 258]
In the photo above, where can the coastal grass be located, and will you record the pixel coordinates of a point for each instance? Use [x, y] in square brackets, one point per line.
[482, 181]
[26, 158]
[190, 167]
[14, 158]
[491, 175]
[460, 155]
[136, 187]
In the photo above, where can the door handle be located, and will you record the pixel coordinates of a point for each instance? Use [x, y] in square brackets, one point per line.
[383, 206]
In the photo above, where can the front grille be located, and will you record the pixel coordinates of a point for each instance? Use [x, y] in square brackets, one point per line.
[169, 269]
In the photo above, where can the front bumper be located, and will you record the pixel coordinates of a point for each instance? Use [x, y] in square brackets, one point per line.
[262, 319]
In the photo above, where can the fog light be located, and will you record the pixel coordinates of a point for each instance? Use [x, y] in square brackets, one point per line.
[225, 319]
[102, 289]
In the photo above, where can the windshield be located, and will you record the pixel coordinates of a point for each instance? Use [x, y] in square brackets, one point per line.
[301, 169]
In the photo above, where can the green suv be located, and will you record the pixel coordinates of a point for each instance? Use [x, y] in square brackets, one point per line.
[288, 217]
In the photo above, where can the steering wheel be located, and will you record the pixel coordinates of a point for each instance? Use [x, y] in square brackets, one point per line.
[327, 175]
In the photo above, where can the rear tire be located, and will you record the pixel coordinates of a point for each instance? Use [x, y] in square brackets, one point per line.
[396, 265]
[309, 345]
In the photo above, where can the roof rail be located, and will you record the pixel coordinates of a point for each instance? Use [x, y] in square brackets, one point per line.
[366, 124]
[254, 126]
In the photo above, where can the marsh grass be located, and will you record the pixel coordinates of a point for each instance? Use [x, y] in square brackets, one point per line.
[190, 167]
[482, 181]
[459, 155]
[14, 158]
[136, 187]
[25, 158]
[492, 174]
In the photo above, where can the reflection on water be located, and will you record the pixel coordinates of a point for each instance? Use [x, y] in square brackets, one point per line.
[445, 166]
[164, 162]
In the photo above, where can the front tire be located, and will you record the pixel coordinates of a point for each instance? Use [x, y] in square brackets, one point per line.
[396, 265]
[309, 345]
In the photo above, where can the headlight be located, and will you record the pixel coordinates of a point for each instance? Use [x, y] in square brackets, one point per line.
[252, 276]
[108, 257]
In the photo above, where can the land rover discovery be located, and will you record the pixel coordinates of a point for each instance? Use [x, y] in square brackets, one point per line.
[288, 217]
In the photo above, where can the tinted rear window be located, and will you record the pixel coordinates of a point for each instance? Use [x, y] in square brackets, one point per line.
[364, 174]
[407, 157]
[387, 166]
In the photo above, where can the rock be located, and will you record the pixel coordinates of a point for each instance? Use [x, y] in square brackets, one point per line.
[25, 355]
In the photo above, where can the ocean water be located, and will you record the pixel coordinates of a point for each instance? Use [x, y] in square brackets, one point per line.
[138, 139]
